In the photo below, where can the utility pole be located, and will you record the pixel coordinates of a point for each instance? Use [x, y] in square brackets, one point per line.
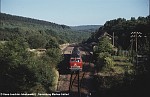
[136, 35]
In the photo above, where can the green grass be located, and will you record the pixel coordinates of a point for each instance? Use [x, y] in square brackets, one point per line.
[121, 58]
[121, 65]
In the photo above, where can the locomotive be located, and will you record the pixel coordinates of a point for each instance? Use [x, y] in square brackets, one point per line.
[76, 60]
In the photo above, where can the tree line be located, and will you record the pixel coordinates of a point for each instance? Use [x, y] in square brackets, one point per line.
[122, 30]
[37, 30]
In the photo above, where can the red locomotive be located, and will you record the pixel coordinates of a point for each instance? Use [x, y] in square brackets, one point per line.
[75, 60]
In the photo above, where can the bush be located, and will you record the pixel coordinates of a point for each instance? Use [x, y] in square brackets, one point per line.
[105, 45]
[54, 54]
[52, 43]
[102, 60]
[38, 88]
[108, 63]
[37, 41]
[15, 74]
[103, 55]
[20, 71]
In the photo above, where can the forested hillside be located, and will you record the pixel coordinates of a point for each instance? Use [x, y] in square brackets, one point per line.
[122, 29]
[86, 28]
[37, 32]
[24, 66]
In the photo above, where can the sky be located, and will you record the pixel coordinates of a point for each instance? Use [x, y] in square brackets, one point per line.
[76, 12]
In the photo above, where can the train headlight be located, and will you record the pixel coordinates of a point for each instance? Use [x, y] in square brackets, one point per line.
[75, 64]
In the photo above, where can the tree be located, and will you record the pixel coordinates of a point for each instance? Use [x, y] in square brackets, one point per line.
[37, 41]
[54, 54]
[22, 72]
[52, 43]
[102, 54]
[104, 45]
[15, 75]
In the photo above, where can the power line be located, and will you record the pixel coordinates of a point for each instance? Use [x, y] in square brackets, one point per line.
[136, 35]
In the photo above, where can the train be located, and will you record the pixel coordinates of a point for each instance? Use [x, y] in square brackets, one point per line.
[76, 60]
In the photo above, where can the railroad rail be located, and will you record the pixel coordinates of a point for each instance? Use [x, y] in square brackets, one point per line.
[75, 82]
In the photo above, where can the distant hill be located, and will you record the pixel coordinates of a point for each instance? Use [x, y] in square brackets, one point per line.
[13, 26]
[86, 28]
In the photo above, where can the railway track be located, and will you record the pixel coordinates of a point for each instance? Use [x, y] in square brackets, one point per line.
[77, 84]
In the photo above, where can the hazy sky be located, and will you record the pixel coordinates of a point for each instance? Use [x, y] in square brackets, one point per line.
[76, 12]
